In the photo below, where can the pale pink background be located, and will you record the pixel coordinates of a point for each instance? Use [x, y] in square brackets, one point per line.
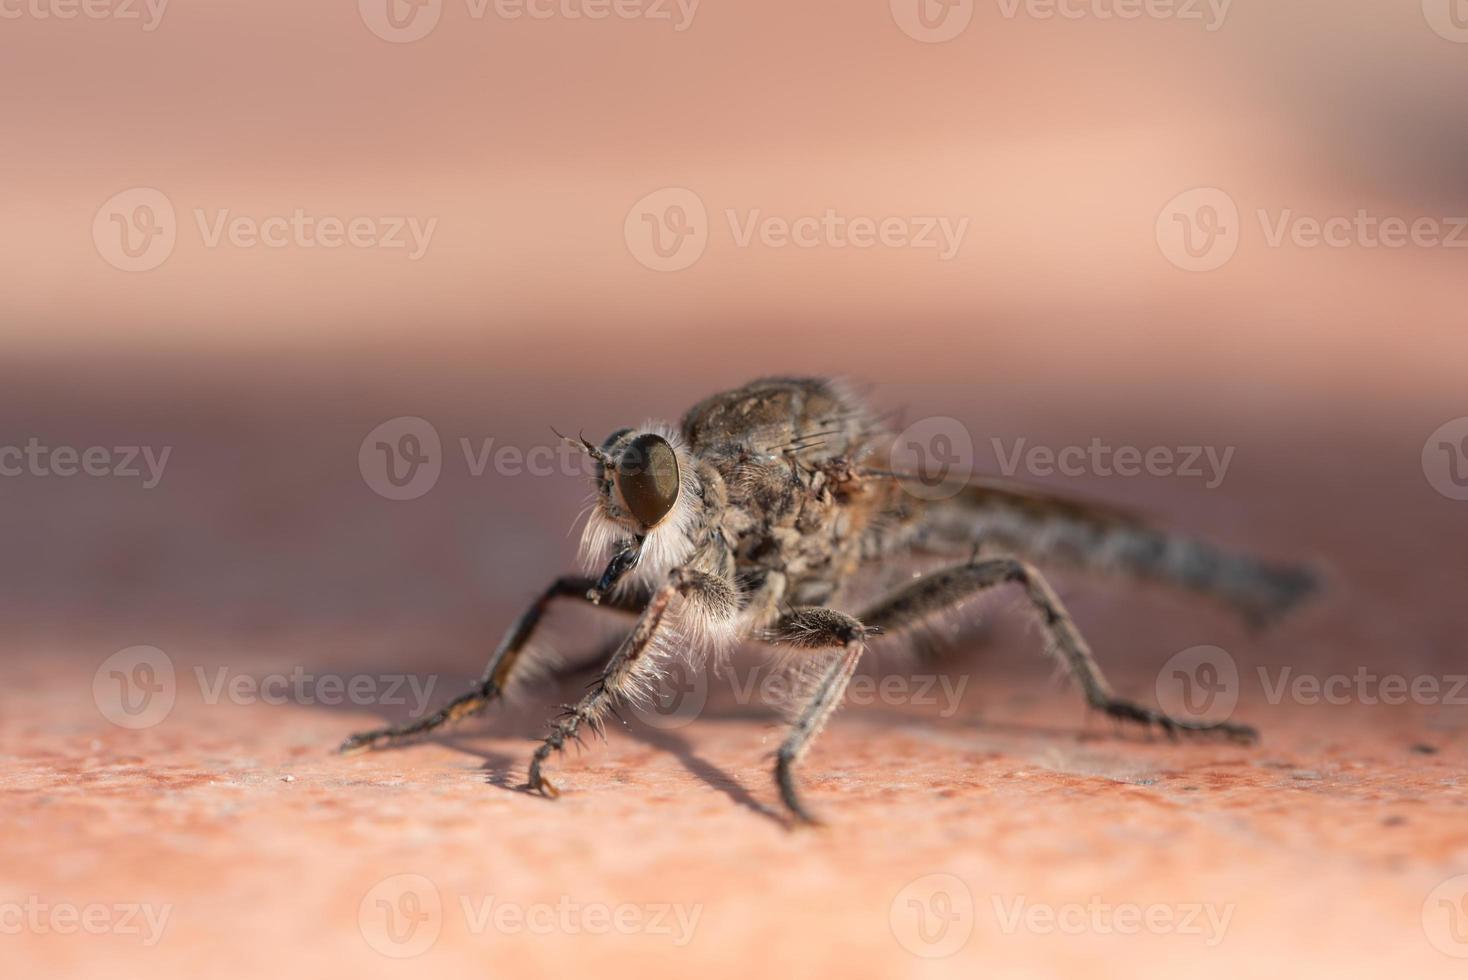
[1060, 320]
[529, 140]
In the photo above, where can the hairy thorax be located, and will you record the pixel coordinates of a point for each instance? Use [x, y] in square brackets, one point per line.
[778, 460]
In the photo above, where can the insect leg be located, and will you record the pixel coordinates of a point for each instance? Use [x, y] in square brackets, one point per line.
[635, 661]
[498, 675]
[949, 586]
[815, 628]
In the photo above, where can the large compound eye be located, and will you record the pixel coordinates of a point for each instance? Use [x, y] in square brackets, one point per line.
[647, 478]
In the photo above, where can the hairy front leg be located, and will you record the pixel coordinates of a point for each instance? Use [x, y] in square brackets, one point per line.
[950, 586]
[707, 598]
[502, 668]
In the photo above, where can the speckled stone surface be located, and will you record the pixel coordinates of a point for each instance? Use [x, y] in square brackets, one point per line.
[1009, 836]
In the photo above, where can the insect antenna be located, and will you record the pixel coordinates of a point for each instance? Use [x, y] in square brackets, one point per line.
[581, 443]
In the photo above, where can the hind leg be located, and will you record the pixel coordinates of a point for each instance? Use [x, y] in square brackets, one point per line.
[908, 605]
[950, 586]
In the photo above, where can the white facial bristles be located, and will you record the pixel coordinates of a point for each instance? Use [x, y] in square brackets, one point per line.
[666, 545]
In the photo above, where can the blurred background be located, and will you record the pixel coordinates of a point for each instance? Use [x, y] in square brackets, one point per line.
[237, 238]
[1099, 226]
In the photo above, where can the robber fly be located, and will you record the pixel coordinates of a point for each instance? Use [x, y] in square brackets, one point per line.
[748, 520]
